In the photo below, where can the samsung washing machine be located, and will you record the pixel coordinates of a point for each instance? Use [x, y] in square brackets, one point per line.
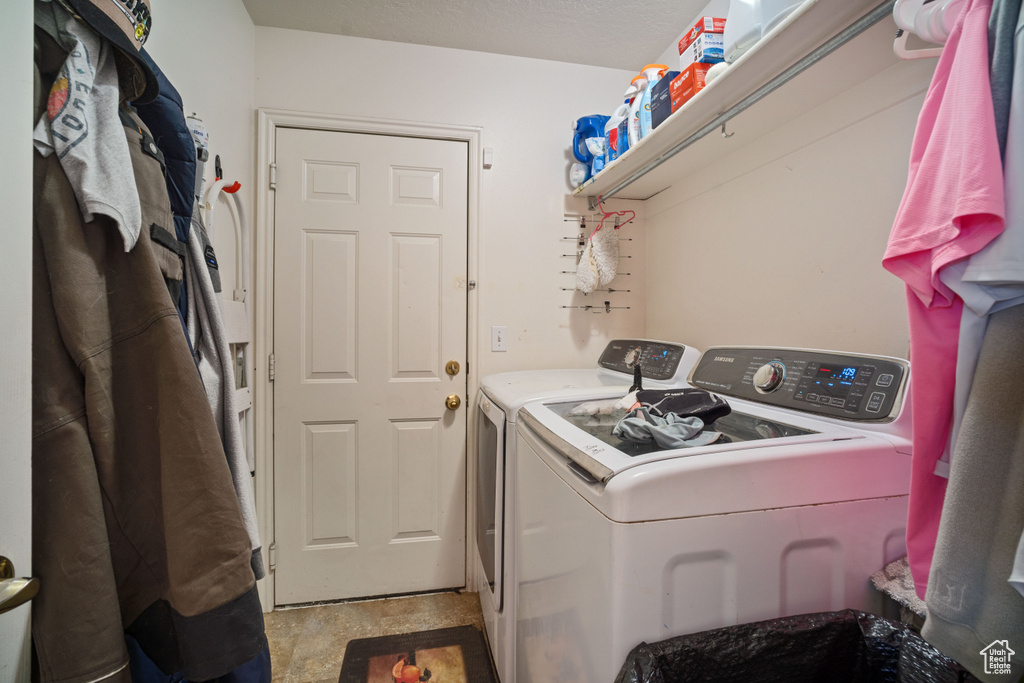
[664, 364]
[799, 500]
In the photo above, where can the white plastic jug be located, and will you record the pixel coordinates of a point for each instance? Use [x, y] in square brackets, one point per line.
[774, 11]
[742, 28]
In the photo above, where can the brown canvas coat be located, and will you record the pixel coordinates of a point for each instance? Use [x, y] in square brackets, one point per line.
[136, 524]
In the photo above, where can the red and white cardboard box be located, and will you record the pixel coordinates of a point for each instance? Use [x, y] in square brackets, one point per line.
[688, 83]
[702, 43]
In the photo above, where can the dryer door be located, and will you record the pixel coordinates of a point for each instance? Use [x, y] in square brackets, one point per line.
[490, 495]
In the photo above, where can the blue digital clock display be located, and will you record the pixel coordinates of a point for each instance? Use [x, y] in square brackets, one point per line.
[835, 380]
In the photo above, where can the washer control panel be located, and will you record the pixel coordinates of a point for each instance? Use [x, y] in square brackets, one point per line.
[847, 386]
[658, 360]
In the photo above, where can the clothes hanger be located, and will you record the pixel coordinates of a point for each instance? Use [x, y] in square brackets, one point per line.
[930, 20]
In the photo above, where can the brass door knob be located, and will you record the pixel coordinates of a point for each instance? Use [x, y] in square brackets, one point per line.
[14, 592]
[452, 368]
[453, 402]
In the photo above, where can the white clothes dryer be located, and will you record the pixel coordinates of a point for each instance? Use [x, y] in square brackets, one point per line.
[802, 497]
[663, 364]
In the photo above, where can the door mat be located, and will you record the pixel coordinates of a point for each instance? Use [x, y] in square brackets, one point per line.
[447, 655]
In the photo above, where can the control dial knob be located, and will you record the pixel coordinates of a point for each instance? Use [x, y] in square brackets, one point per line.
[769, 377]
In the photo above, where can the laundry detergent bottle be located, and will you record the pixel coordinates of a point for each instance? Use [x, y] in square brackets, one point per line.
[611, 132]
[652, 73]
[633, 125]
[622, 139]
[586, 127]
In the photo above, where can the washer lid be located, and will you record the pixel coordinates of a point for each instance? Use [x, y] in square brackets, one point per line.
[588, 442]
[512, 390]
[663, 364]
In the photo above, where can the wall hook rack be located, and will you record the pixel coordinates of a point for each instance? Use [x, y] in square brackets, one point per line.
[607, 308]
[609, 290]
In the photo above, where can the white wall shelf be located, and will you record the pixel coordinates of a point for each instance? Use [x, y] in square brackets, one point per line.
[813, 31]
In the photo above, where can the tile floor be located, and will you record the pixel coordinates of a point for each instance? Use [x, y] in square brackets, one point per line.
[307, 644]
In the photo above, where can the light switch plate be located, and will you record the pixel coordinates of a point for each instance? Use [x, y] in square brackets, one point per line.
[499, 338]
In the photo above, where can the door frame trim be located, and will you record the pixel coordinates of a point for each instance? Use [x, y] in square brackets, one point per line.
[269, 120]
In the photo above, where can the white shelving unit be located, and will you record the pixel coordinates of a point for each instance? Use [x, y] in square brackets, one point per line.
[809, 34]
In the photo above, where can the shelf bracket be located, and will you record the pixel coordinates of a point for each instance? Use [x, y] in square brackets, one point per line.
[592, 202]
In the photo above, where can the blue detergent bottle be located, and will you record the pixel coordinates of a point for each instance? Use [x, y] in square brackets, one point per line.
[588, 135]
[586, 127]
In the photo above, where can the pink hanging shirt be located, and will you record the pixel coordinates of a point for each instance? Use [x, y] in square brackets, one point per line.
[951, 208]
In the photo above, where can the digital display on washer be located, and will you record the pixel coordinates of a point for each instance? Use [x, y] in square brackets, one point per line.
[833, 380]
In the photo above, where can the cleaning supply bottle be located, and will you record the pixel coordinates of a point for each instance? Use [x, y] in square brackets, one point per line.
[622, 139]
[652, 73]
[633, 127]
[583, 128]
[611, 132]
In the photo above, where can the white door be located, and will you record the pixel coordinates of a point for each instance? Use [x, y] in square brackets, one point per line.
[370, 292]
[16, 339]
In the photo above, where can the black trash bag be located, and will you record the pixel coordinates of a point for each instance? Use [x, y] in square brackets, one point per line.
[684, 403]
[827, 647]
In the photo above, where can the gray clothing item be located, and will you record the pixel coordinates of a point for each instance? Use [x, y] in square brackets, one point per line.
[671, 431]
[81, 124]
[993, 278]
[208, 336]
[970, 603]
[1002, 24]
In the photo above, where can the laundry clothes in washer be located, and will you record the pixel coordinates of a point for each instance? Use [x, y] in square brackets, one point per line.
[684, 403]
[668, 431]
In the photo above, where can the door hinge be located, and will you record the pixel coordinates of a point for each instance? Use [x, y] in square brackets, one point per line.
[273, 175]
[472, 285]
[272, 557]
[271, 367]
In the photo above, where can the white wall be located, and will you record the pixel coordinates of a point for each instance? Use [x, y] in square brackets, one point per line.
[206, 51]
[525, 108]
[781, 243]
[16, 108]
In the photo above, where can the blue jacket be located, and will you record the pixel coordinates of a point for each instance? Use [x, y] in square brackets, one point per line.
[166, 121]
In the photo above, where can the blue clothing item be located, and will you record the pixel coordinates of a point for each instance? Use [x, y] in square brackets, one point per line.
[166, 121]
[143, 670]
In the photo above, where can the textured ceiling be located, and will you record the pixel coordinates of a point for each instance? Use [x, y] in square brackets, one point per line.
[623, 34]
